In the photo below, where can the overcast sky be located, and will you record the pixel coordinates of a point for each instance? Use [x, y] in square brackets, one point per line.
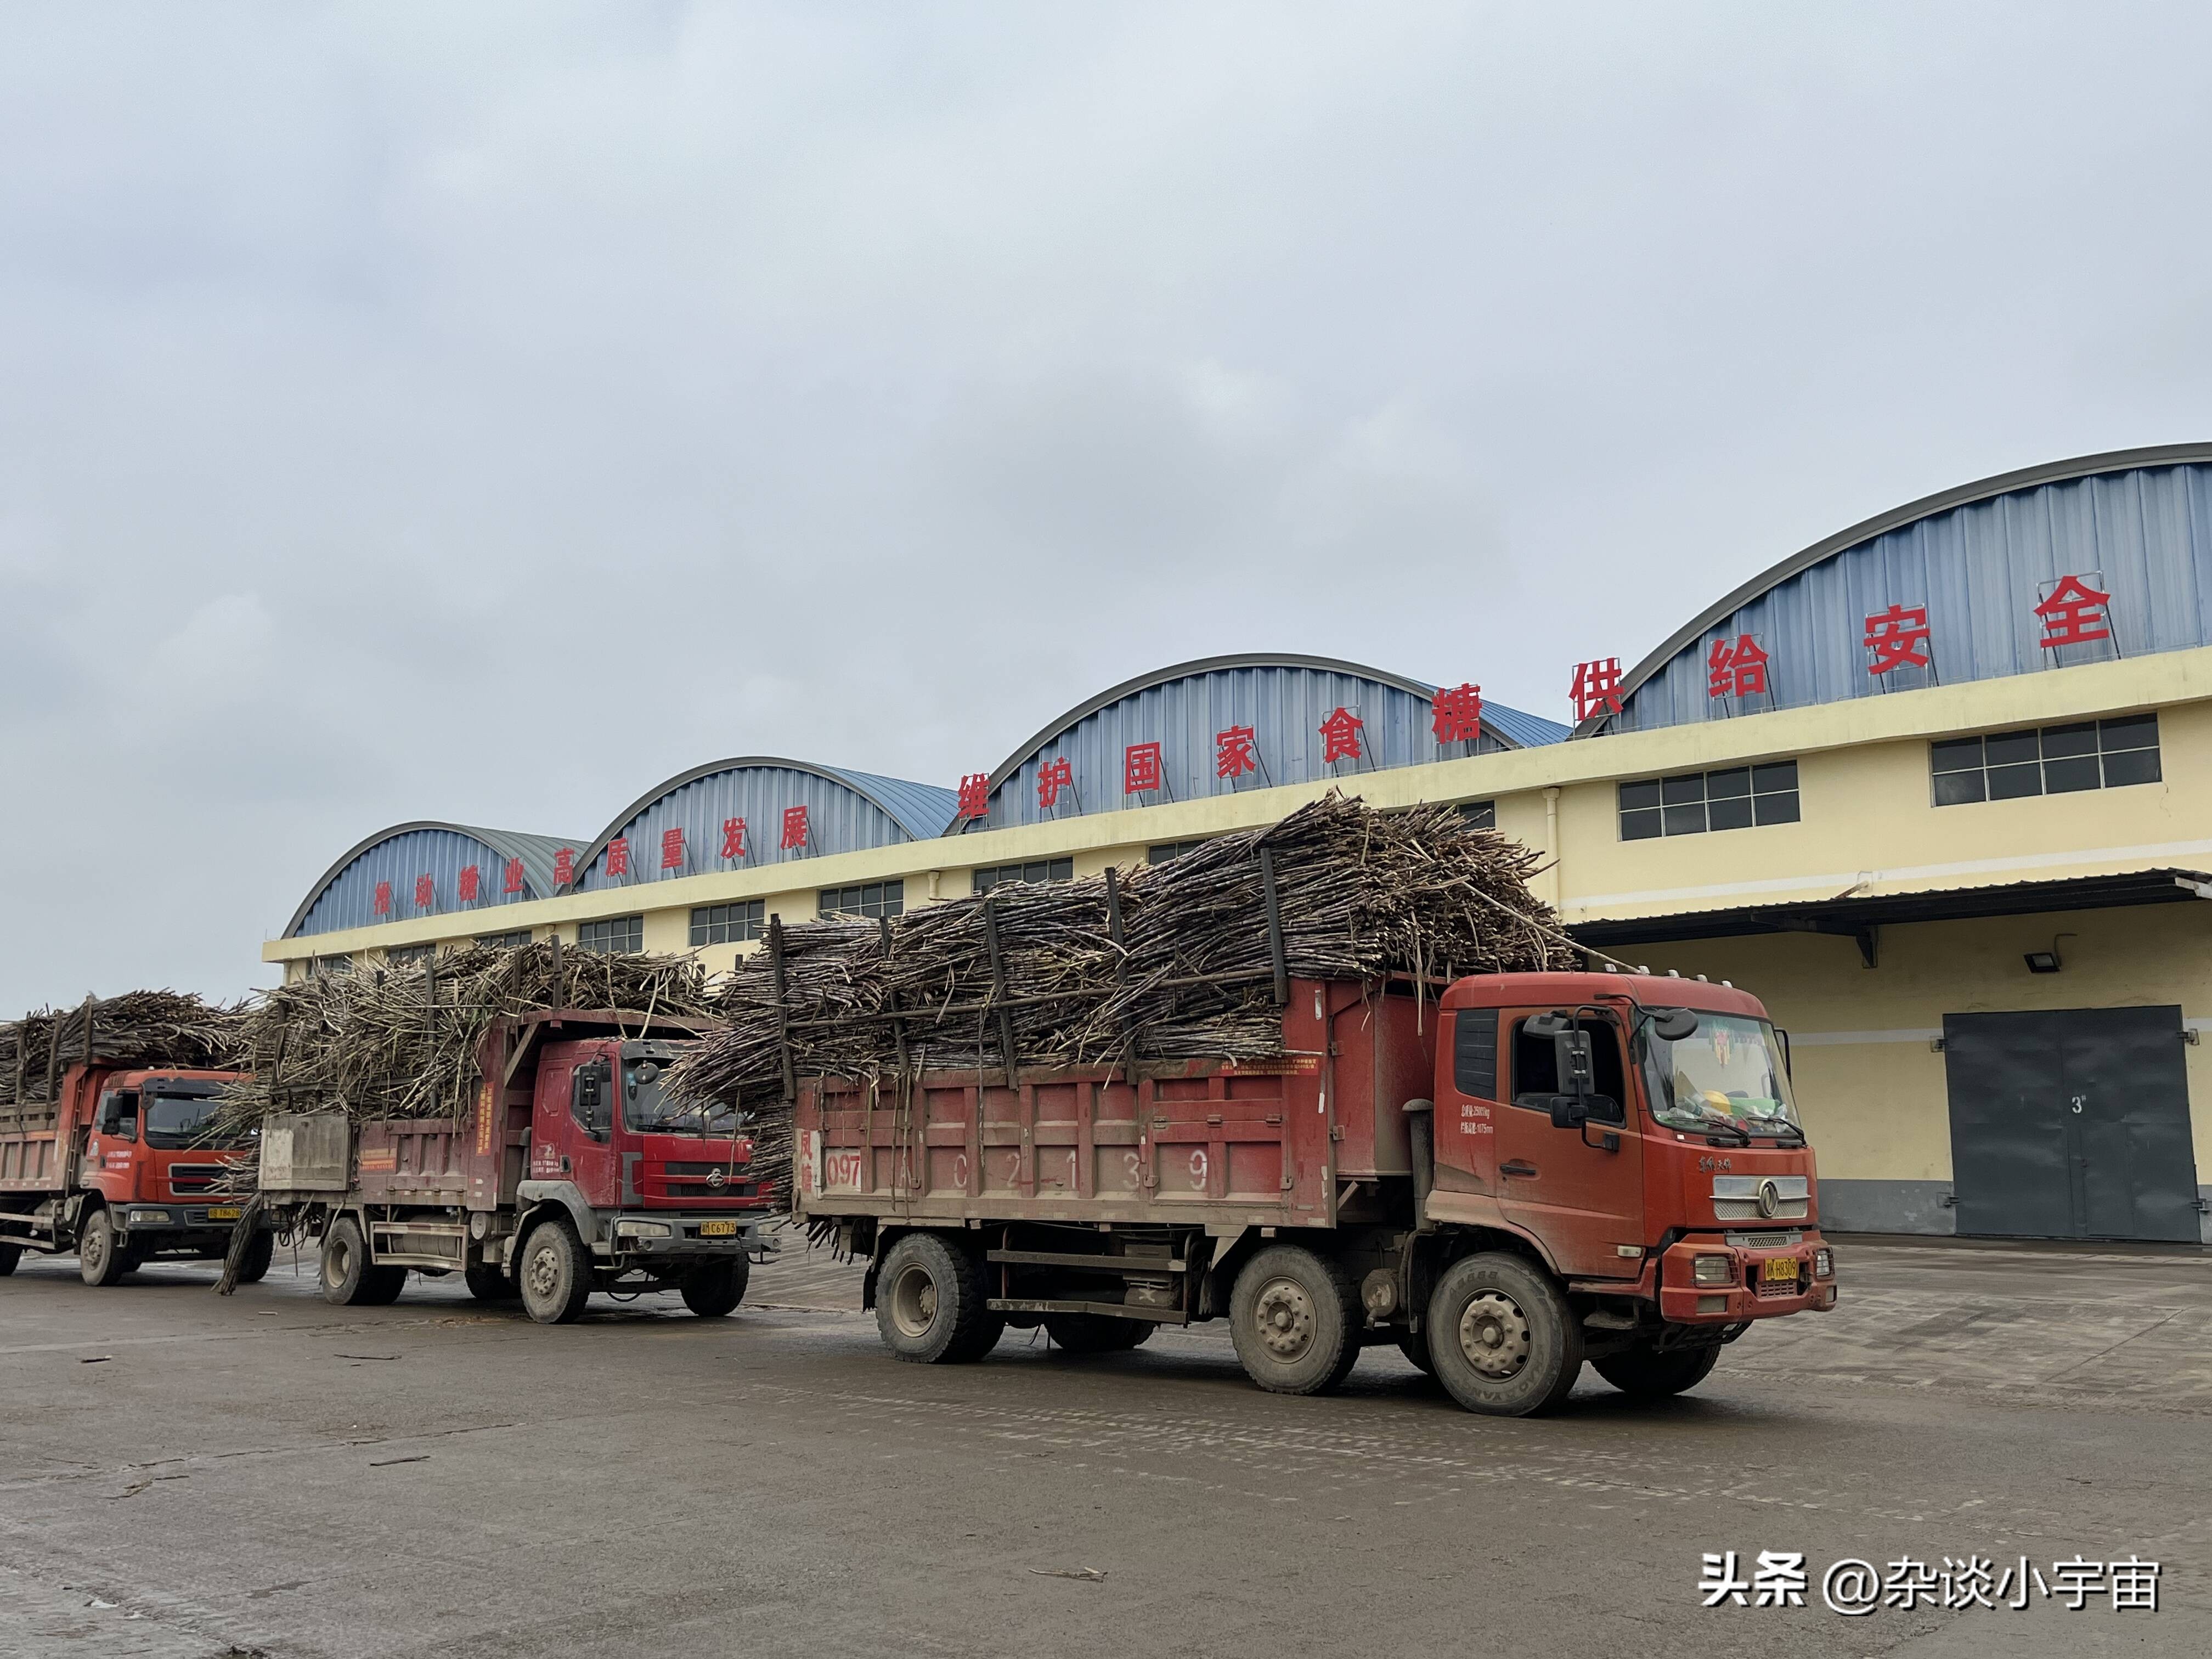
[482, 412]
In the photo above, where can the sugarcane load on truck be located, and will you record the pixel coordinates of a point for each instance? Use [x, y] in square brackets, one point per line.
[500, 1113]
[110, 1142]
[1343, 1081]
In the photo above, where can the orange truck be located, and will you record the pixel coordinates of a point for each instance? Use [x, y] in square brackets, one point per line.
[1506, 1177]
[115, 1164]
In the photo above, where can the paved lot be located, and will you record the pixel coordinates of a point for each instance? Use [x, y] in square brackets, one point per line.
[183, 1477]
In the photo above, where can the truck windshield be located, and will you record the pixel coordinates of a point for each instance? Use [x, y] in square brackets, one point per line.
[647, 1110]
[1727, 1076]
[175, 1121]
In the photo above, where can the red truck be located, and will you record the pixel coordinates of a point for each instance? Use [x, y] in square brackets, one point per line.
[115, 1164]
[1526, 1172]
[570, 1172]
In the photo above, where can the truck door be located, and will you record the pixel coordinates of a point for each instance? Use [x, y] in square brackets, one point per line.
[573, 1126]
[1585, 1202]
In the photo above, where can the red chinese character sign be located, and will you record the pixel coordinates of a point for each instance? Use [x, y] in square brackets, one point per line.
[672, 849]
[513, 882]
[564, 867]
[1053, 777]
[426, 892]
[383, 900]
[1456, 715]
[794, 830]
[1596, 688]
[733, 839]
[1140, 769]
[2075, 614]
[1898, 637]
[975, 796]
[1235, 752]
[1340, 737]
[466, 888]
[1735, 668]
[618, 856]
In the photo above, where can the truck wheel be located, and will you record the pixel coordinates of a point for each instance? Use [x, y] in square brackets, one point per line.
[488, 1283]
[929, 1303]
[1504, 1341]
[348, 1279]
[102, 1255]
[1097, 1333]
[253, 1265]
[1295, 1317]
[1649, 1374]
[9, 1256]
[555, 1273]
[712, 1290]
[1414, 1345]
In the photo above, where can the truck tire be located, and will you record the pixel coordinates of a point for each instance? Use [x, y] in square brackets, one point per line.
[1504, 1341]
[349, 1279]
[1295, 1317]
[1649, 1374]
[489, 1283]
[102, 1257]
[9, 1256]
[929, 1303]
[253, 1265]
[711, 1290]
[1097, 1333]
[554, 1272]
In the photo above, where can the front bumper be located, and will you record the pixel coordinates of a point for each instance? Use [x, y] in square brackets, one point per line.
[685, 1238]
[177, 1217]
[1747, 1292]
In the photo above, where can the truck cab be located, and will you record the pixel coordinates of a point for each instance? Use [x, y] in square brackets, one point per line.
[131, 1173]
[1639, 1134]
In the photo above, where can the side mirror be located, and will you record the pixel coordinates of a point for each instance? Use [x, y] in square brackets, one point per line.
[1577, 1068]
[1570, 1111]
[1675, 1024]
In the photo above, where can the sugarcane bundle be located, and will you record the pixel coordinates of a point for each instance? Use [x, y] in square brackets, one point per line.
[137, 1028]
[402, 1042]
[1178, 960]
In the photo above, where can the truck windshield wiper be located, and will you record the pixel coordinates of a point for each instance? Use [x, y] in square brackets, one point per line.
[1782, 1123]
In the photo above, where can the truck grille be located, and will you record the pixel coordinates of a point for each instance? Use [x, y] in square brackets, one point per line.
[185, 1179]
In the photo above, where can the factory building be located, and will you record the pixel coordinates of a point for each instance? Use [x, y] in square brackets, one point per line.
[1938, 788]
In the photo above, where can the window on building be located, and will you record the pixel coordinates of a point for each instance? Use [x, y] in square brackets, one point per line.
[408, 956]
[1480, 814]
[1696, 802]
[729, 924]
[318, 966]
[513, 941]
[1171, 849]
[877, 898]
[1036, 869]
[2054, 760]
[618, 936]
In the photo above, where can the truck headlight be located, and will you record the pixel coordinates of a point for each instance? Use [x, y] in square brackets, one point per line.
[630, 1227]
[1713, 1270]
[149, 1218]
[1824, 1264]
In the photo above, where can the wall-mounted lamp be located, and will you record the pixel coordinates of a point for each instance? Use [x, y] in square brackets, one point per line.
[2047, 962]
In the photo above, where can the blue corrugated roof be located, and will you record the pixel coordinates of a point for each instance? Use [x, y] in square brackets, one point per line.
[923, 810]
[1529, 731]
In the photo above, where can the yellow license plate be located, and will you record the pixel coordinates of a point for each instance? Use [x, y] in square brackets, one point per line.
[225, 1212]
[718, 1230]
[1779, 1269]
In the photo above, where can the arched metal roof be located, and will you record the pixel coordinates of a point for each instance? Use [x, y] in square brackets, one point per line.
[915, 811]
[1691, 633]
[1504, 728]
[535, 853]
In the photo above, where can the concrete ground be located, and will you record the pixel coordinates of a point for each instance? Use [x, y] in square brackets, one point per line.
[182, 1477]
